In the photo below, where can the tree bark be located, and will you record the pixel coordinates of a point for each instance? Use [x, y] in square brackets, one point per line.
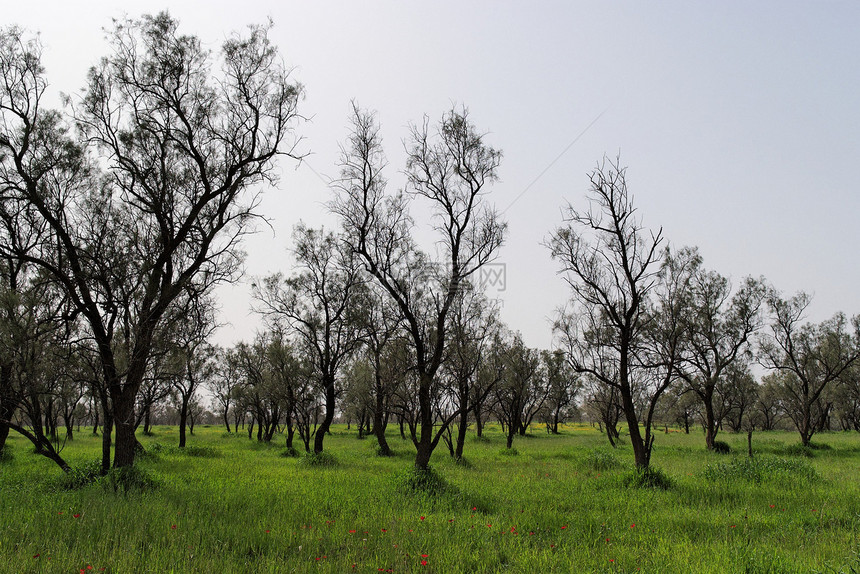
[329, 414]
[183, 420]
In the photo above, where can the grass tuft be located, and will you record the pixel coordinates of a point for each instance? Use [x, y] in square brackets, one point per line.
[721, 447]
[129, 479]
[509, 451]
[81, 475]
[648, 478]
[600, 460]
[290, 452]
[420, 481]
[322, 459]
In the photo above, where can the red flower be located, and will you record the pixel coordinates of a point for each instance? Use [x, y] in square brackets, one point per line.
[424, 556]
[352, 531]
[564, 527]
[531, 533]
[473, 508]
[424, 563]
[422, 518]
[632, 526]
[77, 515]
[89, 567]
[384, 530]
[612, 559]
[173, 527]
[35, 555]
[267, 531]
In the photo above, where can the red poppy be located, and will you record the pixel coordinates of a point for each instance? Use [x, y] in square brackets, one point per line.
[89, 567]
[531, 533]
[384, 530]
[564, 527]
[424, 556]
[35, 555]
[422, 518]
[173, 527]
[77, 515]
[267, 531]
[352, 531]
[473, 508]
[424, 563]
[632, 526]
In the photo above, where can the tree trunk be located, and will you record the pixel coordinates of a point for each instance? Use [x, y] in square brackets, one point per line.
[379, 424]
[479, 422]
[749, 443]
[70, 423]
[226, 421]
[183, 420]
[424, 444]
[461, 434]
[329, 414]
[124, 447]
[710, 425]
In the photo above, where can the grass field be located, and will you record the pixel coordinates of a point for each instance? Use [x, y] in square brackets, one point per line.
[560, 504]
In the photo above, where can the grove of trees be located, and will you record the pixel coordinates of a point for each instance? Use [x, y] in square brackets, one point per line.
[122, 211]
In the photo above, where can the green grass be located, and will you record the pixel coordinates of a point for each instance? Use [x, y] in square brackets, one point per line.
[562, 504]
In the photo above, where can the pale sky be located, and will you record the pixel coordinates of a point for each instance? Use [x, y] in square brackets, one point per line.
[739, 124]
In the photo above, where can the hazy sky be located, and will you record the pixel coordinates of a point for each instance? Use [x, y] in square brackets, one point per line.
[740, 125]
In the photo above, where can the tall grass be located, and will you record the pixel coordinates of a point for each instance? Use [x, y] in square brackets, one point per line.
[563, 504]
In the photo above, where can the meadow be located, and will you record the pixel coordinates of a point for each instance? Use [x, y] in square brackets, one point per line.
[557, 504]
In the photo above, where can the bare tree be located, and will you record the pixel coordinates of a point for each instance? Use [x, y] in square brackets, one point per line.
[448, 172]
[611, 264]
[183, 140]
[812, 357]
